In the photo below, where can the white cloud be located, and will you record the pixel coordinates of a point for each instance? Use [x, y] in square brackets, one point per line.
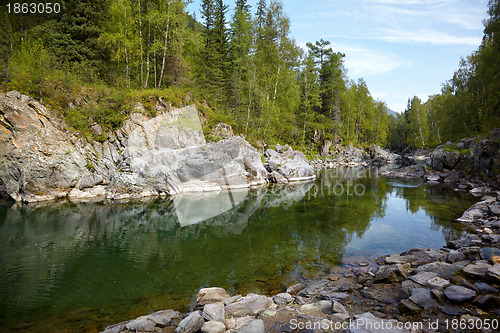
[363, 62]
[426, 36]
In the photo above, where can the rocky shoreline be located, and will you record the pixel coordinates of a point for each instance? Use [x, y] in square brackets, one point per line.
[419, 290]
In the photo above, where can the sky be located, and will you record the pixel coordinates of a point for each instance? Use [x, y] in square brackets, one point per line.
[401, 48]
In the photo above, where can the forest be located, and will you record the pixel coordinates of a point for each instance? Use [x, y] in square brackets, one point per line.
[94, 60]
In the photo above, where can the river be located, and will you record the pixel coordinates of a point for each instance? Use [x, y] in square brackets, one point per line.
[82, 266]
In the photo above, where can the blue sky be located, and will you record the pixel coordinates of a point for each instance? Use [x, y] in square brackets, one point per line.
[402, 48]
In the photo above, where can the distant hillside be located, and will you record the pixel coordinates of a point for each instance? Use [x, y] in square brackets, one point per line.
[392, 113]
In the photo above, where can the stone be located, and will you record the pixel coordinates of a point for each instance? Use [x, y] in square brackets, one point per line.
[339, 308]
[408, 307]
[222, 131]
[454, 256]
[487, 253]
[423, 298]
[141, 324]
[317, 307]
[433, 178]
[423, 277]
[495, 209]
[295, 288]
[211, 295]
[163, 318]
[477, 270]
[483, 287]
[213, 312]
[453, 310]
[494, 272]
[230, 323]
[249, 305]
[282, 298]
[392, 273]
[116, 328]
[442, 269]
[232, 299]
[213, 327]
[488, 302]
[459, 294]
[255, 326]
[368, 323]
[397, 259]
[192, 323]
[334, 296]
[438, 283]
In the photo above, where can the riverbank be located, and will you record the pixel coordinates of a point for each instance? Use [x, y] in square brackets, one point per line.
[458, 283]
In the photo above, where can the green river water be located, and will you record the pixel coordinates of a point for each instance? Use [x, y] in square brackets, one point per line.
[78, 267]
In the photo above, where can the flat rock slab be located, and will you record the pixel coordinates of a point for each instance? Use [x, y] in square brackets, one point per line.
[459, 294]
[438, 283]
[423, 277]
[315, 308]
[149, 322]
[249, 305]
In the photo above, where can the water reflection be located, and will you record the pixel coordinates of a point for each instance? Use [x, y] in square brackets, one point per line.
[118, 260]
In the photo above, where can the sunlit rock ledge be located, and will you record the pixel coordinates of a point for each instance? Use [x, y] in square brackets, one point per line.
[42, 159]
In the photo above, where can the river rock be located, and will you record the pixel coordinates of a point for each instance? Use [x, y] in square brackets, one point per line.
[483, 287]
[477, 270]
[214, 312]
[149, 322]
[488, 302]
[423, 277]
[282, 298]
[255, 326]
[116, 328]
[407, 306]
[494, 272]
[249, 305]
[454, 256]
[487, 253]
[433, 178]
[192, 323]
[398, 259]
[443, 269]
[292, 165]
[211, 295]
[213, 327]
[438, 283]
[339, 312]
[392, 273]
[459, 294]
[423, 298]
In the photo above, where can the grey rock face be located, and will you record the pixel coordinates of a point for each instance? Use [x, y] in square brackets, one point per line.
[255, 326]
[214, 311]
[41, 159]
[291, 165]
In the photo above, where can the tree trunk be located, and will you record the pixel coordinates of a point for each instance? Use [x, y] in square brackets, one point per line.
[165, 45]
[140, 40]
[147, 56]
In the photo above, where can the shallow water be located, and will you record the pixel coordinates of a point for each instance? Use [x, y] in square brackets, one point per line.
[82, 266]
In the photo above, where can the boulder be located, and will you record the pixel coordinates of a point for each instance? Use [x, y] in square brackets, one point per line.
[477, 270]
[494, 273]
[392, 273]
[249, 305]
[423, 298]
[442, 269]
[211, 295]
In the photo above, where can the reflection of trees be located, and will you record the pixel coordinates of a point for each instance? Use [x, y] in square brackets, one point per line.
[440, 204]
[101, 254]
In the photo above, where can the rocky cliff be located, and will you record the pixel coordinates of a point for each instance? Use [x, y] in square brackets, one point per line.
[42, 159]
